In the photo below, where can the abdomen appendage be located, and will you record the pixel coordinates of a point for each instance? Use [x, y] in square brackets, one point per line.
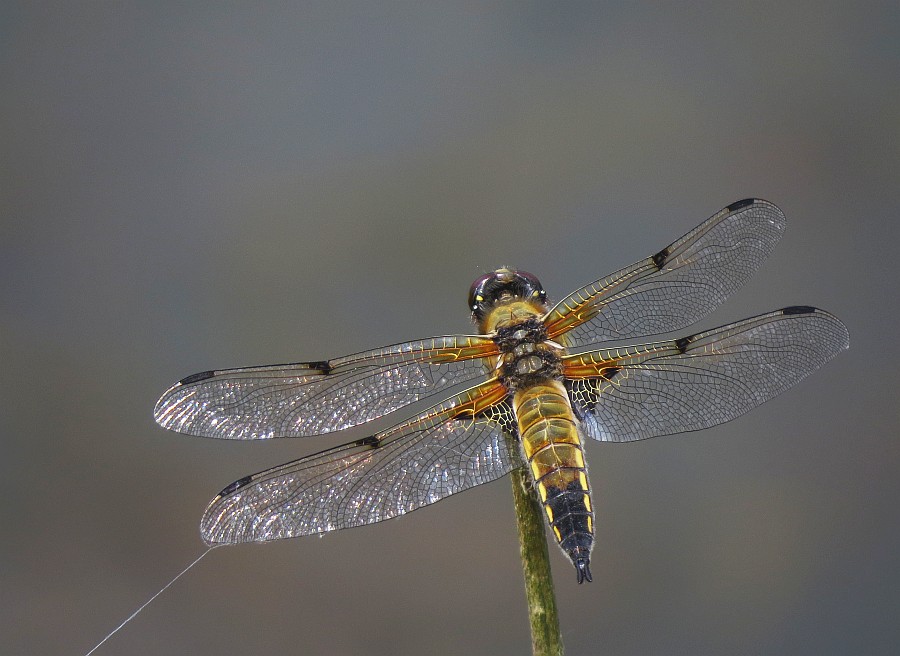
[556, 461]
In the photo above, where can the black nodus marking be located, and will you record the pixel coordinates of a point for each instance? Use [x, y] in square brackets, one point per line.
[660, 258]
[238, 484]
[799, 309]
[683, 343]
[196, 378]
[741, 204]
[322, 365]
[371, 441]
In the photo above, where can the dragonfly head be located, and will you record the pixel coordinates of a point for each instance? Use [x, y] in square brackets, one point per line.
[501, 287]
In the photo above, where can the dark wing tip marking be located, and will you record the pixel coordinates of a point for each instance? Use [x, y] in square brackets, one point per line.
[660, 258]
[238, 484]
[371, 441]
[798, 309]
[322, 365]
[196, 378]
[741, 204]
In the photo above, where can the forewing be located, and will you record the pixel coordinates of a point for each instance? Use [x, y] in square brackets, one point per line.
[699, 381]
[311, 398]
[454, 446]
[675, 287]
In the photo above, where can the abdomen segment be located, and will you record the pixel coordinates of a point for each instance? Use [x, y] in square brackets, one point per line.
[556, 460]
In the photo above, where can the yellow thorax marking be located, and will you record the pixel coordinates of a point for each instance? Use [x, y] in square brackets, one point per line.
[505, 314]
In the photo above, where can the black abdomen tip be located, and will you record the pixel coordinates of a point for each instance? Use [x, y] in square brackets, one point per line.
[583, 567]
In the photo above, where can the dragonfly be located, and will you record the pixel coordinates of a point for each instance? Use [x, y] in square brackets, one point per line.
[528, 390]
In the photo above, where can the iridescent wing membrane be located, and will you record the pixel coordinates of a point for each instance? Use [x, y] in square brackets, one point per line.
[312, 398]
[619, 394]
[675, 287]
[695, 382]
[456, 445]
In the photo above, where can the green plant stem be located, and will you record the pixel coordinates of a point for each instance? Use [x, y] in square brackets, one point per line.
[545, 637]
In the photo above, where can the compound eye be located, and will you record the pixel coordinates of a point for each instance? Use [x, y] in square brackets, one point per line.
[531, 278]
[476, 291]
[532, 284]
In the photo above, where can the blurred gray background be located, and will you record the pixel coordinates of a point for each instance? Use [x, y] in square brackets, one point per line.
[189, 186]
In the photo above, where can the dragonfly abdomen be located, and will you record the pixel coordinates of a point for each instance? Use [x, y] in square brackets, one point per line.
[555, 458]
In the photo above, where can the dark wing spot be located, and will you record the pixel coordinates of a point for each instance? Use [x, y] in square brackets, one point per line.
[371, 441]
[660, 258]
[683, 343]
[741, 204]
[799, 309]
[321, 365]
[238, 484]
[609, 372]
[196, 378]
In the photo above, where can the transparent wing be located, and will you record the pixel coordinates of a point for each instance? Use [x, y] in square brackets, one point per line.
[311, 398]
[675, 287]
[699, 381]
[454, 446]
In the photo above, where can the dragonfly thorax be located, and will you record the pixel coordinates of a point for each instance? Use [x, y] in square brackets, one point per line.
[526, 356]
